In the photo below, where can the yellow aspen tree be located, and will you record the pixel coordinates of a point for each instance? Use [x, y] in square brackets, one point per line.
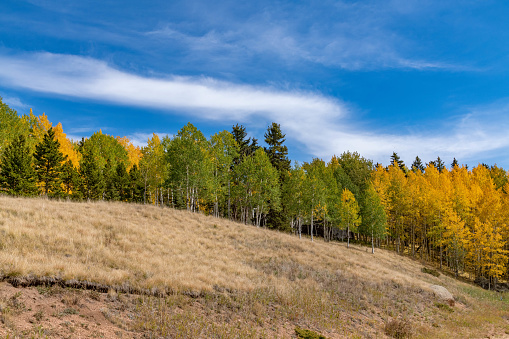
[398, 197]
[40, 126]
[66, 146]
[134, 153]
[415, 181]
[455, 238]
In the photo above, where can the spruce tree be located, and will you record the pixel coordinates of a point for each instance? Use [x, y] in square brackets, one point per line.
[396, 159]
[48, 164]
[17, 175]
[110, 187]
[136, 185]
[417, 165]
[439, 164]
[71, 180]
[454, 163]
[92, 185]
[247, 146]
[277, 152]
[122, 182]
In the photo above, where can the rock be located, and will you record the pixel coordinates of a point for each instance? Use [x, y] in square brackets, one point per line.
[442, 293]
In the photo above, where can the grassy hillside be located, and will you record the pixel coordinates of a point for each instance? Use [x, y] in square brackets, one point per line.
[223, 279]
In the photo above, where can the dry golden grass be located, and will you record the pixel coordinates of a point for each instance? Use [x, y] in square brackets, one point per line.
[266, 280]
[152, 247]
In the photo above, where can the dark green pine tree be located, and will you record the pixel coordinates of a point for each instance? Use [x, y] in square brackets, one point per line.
[439, 164]
[92, 185]
[71, 180]
[277, 152]
[48, 164]
[247, 146]
[17, 175]
[395, 158]
[110, 187]
[136, 185]
[122, 182]
[454, 163]
[417, 165]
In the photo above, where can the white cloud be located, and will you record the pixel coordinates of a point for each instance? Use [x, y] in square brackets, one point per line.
[315, 121]
[141, 139]
[346, 35]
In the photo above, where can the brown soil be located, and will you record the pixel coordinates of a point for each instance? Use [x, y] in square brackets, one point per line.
[54, 312]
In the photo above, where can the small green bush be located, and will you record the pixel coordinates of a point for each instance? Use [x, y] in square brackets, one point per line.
[444, 307]
[307, 334]
[430, 271]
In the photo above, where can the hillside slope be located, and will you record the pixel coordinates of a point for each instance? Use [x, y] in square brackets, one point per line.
[219, 278]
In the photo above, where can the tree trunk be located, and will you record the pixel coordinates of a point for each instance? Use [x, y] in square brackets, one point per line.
[311, 224]
[348, 235]
[372, 242]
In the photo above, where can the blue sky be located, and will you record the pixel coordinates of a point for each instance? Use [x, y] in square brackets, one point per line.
[426, 78]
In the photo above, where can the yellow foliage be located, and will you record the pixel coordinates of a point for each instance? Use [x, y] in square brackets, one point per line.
[66, 146]
[133, 152]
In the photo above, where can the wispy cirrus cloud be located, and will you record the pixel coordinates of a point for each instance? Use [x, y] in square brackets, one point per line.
[313, 120]
[351, 36]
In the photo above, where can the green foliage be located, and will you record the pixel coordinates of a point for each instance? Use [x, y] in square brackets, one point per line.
[223, 150]
[11, 126]
[71, 180]
[277, 152]
[48, 164]
[135, 188]
[430, 271]
[191, 166]
[307, 334]
[17, 175]
[247, 146]
[92, 185]
[374, 218]
[417, 165]
[257, 185]
[395, 159]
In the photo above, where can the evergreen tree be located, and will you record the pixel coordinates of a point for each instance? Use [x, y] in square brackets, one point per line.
[277, 152]
[454, 163]
[92, 186]
[110, 187]
[48, 164]
[122, 182]
[417, 165]
[136, 185]
[246, 146]
[396, 159]
[17, 175]
[71, 180]
[439, 164]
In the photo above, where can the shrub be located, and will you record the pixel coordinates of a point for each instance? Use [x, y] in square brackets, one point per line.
[307, 334]
[430, 271]
[398, 329]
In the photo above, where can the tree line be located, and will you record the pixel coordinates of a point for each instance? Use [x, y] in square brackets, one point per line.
[456, 218]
